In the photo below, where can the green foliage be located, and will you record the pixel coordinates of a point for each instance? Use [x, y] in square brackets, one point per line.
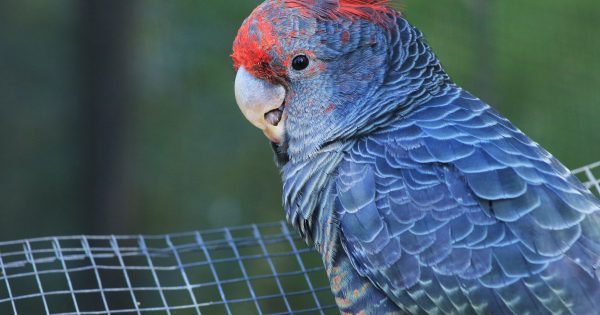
[191, 160]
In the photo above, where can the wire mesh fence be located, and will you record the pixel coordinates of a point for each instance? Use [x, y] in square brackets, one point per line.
[264, 269]
[255, 269]
[590, 176]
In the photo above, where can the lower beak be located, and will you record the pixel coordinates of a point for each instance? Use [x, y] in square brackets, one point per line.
[262, 103]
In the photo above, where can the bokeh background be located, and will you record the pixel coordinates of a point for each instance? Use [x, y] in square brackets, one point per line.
[119, 116]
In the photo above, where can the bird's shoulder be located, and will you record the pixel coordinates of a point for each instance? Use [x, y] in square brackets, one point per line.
[455, 189]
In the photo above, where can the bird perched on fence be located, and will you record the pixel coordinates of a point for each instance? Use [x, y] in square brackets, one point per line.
[420, 197]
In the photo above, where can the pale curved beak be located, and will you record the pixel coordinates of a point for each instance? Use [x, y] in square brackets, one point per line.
[262, 103]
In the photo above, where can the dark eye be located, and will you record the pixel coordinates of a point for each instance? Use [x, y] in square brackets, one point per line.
[300, 62]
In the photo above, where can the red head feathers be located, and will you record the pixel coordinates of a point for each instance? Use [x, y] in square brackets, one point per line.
[373, 10]
[251, 47]
[257, 37]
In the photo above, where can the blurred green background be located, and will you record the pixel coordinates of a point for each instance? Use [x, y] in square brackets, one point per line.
[119, 116]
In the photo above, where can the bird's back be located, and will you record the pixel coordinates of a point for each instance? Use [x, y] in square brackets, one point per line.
[451, 209]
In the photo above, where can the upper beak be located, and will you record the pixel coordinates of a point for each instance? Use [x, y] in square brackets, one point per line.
[262, 103]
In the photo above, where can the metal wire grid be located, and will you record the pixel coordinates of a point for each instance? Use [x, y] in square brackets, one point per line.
[590, 177]
[256, 269]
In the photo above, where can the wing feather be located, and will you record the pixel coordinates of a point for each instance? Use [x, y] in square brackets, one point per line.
[457, 212]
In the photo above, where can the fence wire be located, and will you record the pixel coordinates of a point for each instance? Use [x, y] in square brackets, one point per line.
[255, 269]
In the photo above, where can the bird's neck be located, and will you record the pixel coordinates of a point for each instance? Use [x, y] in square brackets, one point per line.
[307, 188]
[414, 77]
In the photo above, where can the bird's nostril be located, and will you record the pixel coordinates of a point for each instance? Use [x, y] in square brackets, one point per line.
[274, 117]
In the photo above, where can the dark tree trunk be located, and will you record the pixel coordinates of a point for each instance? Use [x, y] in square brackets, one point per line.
[105, 32]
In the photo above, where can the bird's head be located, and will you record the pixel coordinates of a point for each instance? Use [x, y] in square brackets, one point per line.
[307, 69]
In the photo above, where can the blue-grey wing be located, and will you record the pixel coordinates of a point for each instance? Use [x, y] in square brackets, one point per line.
[455, 211]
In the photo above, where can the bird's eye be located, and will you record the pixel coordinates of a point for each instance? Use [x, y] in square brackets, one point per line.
[300, 62]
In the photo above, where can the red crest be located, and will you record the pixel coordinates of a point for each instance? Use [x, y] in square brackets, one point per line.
[372, 10]
[257, 37]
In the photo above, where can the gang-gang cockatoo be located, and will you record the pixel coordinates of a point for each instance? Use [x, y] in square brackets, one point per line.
[420, 198]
